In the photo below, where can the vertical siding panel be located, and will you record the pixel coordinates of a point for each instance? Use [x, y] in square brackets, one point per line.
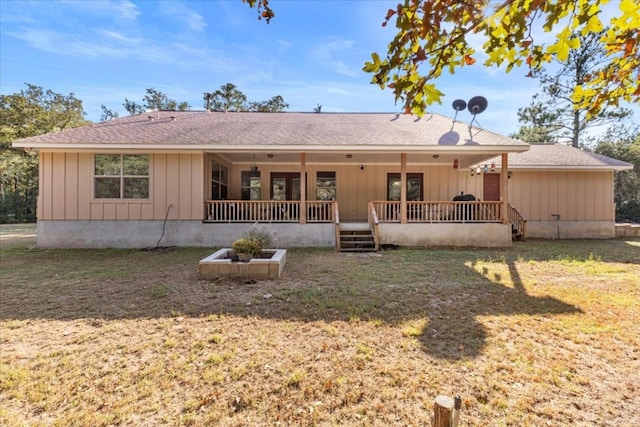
[146, 211]
[582, 194]
[44, 196]
[97, 211]
[185, 182]
[543, 195]
[109, 211]
[172, 186]
[524, 204]
[58, 190]
[159, 185]
[567, 183]
[85, 185]
[122, 211]
[599, 196]
[537, 186]
[607, 182]
[71, 192]
[133, 211]
[197, 186]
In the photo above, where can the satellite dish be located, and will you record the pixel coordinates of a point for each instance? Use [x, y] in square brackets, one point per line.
[459, 105]
[477, 104]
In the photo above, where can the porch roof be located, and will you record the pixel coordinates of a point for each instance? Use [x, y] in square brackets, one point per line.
[561, 157]
[285, 132]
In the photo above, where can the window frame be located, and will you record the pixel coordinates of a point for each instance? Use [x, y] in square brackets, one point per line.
[121, 177]
[327, 188]
[247, 189]
[221, 180]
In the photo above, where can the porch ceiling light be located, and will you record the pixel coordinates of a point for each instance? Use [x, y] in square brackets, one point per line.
[455, 163]
[254, 167]
[349, 156]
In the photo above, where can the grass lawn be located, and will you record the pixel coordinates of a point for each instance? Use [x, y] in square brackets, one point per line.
[544, 333]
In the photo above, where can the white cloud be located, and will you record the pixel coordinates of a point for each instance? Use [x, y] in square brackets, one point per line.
[328, 53]
[120, 9]
[179, 11]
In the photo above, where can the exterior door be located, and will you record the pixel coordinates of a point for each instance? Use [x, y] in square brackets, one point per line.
[285, 186]
[491, 187]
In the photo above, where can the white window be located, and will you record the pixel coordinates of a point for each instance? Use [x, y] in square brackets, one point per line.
[121, 176]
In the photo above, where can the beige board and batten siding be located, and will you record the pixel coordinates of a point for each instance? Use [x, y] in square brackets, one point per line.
[175, 179]
[574, 195]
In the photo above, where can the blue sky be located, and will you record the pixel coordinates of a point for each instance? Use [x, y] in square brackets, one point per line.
[311, 53]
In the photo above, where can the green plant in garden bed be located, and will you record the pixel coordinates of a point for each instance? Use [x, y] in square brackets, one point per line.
[254, 240]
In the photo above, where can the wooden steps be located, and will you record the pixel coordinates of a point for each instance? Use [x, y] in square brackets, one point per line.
[356, 239]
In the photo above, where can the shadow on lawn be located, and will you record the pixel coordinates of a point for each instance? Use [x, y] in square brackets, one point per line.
[437, 289]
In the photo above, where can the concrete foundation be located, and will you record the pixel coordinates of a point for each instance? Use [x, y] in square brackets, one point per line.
[145, 234]
[447, 234]
[571, 229]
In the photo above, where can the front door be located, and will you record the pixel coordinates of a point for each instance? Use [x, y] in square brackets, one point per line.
[491, 187]
[285, 186]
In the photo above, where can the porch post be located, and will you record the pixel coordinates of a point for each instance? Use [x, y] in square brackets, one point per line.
[303, 188]
[403, 188]
[504, 188]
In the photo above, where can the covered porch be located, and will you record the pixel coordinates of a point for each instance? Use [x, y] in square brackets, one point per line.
[407, 199]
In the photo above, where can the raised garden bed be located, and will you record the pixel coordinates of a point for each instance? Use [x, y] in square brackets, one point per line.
[268, 265]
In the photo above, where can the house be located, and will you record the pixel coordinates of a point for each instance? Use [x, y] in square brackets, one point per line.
[198, 178]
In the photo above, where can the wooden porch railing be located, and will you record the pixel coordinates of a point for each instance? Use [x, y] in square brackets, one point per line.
[268, 211]
[439, 211]
[518, 223]
[374, 225]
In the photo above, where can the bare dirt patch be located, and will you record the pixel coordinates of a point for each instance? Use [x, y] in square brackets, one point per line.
[544, 333]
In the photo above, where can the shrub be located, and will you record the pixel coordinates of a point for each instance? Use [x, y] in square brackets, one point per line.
[246, 246]
[260, 234]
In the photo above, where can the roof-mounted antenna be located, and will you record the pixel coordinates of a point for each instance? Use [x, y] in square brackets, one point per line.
[476, 105]
[458, 105]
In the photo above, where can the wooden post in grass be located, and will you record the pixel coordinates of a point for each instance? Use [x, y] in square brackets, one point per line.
[446, 411]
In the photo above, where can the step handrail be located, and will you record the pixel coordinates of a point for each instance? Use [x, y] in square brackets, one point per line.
[373, 225]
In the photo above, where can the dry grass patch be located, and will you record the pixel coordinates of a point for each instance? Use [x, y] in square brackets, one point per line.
[544, 333]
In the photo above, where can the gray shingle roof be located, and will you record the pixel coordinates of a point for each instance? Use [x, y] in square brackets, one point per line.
[190, 129]
[561, 157]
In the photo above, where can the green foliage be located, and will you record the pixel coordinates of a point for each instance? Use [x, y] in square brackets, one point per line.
[246, 246]
[107, 114]
[230, 98]
[261, 234]
[33, 111]
[435, 36]
[254, 240]
[623, 143]
[539, 124]
[274, 105]
[557, 116]
[153, 100]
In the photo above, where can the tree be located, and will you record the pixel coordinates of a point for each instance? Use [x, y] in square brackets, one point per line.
[557, 116]
[107, 114]
[437, 35]
[274, 105]
[30, 112]
[230, 98]
[623, 142]
[539, 123]
[227, 98]
[154, 100]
